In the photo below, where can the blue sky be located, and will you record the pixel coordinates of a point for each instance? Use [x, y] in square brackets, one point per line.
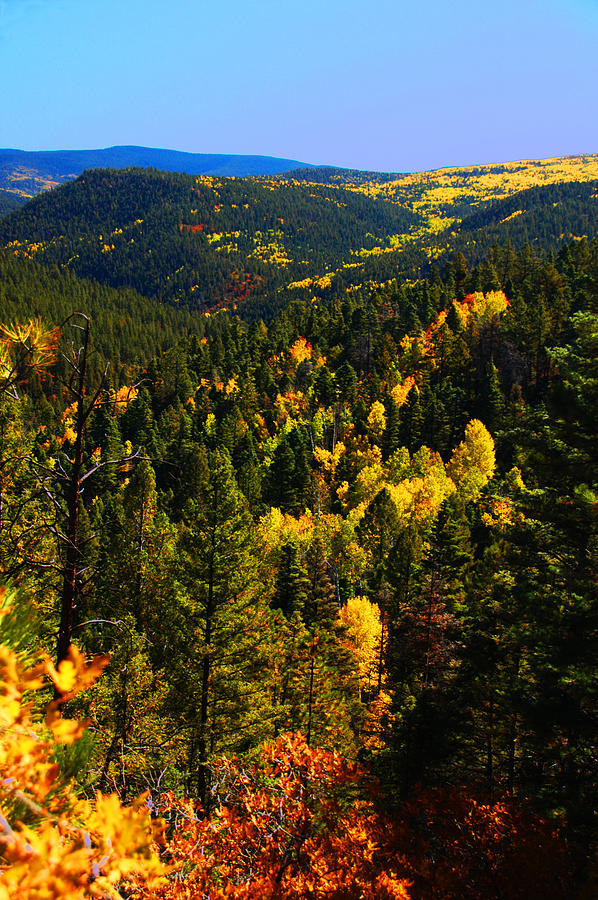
[385, 84]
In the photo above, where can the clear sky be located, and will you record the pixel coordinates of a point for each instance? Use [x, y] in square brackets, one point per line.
[376, 84]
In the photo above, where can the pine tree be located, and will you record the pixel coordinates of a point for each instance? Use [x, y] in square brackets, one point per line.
[222, 651]
[290, 595]
[327, 678]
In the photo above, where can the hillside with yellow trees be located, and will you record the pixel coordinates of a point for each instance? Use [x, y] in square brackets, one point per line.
[444, 198]
[255, 244]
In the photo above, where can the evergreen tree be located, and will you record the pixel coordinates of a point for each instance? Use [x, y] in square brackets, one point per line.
[290, 595]
[221, 657]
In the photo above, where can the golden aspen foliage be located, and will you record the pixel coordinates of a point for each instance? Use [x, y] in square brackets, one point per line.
[405, 495]
[418, 349]
[473, 462]
[54, 845]
[327, 460]
[123, 397]
[500, 510]
[500, 513]
[377, 727]
[369, 481]
[277, 528]
[376, 420]
[361, 618]
[290, 405]
[417, 487]
[339, 538]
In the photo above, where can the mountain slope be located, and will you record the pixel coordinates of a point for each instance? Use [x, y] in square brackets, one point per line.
[28, 173]
[256, 244]
[204, 242]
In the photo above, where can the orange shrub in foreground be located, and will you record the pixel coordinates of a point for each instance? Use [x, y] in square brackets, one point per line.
[292, 827]
[295, 827]
[53, 844]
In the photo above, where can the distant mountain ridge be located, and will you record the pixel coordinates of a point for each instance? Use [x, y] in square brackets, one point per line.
[29, 172]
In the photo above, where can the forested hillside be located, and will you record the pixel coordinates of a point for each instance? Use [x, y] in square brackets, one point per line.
[9, 201]
[128, 329]
[203, 243]
[254, 245]
[371, 521]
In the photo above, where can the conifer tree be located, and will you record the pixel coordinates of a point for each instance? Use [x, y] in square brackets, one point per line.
[221, 681]
[326, 681]
[292, 584]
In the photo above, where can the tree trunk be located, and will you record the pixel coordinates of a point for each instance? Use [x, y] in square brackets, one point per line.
[311, 694]
[69, 580]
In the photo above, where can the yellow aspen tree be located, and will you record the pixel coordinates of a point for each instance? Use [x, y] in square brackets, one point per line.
[361, 619]
[473, 462]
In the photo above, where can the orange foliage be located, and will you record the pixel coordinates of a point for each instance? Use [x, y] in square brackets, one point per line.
[193, 228]
[291, 828]
[401, 391]
[123, 397]
[295, 827]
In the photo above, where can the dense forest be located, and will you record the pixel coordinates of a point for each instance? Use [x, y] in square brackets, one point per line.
[253, 245]
[9, 201]
[339, 569]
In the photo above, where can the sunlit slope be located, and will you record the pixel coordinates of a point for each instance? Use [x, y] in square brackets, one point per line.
[255, 244]
[444, 195]
[445, 199]
[479, 183]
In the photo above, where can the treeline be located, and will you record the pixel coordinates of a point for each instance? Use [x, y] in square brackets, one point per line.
[336, 175]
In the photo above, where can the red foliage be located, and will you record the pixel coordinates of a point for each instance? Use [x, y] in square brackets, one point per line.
[241, 285]
[457, 845]
[295, 826]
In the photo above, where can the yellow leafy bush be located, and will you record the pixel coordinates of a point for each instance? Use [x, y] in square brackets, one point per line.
[52, 843]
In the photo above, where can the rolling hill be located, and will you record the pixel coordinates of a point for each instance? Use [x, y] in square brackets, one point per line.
[206, 243]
